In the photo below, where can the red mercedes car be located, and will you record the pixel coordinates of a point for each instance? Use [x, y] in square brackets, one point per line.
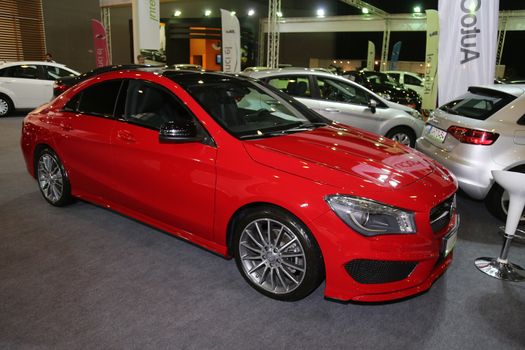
[245, 171]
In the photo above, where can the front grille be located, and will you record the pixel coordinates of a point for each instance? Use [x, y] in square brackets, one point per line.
[440, 215]
[379, 271]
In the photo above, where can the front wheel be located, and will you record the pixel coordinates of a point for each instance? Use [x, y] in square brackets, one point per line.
[277, 255]
[403, 135]
[6, 106]
[52, 179]
[497, 200]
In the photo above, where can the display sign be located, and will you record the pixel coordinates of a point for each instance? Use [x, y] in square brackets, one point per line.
[430, 82]
[467, 45]
[231, 42]
[371, 56]
[148, 24]
[100, 43]
[396, 49]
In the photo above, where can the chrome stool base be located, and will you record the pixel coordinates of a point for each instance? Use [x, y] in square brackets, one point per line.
[505, 271]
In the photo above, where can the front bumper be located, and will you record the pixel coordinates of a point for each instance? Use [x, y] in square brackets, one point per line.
[423, 250]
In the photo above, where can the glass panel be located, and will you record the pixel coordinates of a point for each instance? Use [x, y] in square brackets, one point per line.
[337, 91]
[99, 99]
[298, 86]
[53, 73]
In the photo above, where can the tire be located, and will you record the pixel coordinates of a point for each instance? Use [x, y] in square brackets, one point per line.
[52, 179]
[277, 254]
[6, 106]
[497, 200]
[403, 135]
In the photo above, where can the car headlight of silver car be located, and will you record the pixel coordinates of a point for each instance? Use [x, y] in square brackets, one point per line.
[415, 114]
[371, 218]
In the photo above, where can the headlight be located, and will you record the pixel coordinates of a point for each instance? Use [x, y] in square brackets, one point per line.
[383, 95]
[415, 114]
[371, 218]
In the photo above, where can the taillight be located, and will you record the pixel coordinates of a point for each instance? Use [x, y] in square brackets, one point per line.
[472, 136]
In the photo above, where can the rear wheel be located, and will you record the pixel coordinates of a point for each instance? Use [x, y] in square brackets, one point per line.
[403, 135]
[277, 255]
[6, 106]
[497, 200]
[52, 179]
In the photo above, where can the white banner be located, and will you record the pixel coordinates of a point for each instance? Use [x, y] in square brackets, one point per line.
[148, 24]
[231, 42]
[467, 45]
[371, 56]
[431, 61]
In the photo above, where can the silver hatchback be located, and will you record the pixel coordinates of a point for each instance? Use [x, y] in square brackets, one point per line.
[347, 102]
[480, 131]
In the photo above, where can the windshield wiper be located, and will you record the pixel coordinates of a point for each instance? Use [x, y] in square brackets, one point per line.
[293, 129]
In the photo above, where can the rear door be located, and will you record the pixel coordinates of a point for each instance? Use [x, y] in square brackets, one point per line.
[84, 127]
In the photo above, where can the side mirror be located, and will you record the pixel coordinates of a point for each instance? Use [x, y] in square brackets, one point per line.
[178, 132]
[372, 104]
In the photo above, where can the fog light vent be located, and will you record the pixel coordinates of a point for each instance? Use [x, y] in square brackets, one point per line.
[379, 271]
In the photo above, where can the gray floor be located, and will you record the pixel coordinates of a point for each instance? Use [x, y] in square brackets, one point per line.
[83, 277]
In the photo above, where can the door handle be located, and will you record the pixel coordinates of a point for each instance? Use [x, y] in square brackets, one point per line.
[332, 110]
[126, 136]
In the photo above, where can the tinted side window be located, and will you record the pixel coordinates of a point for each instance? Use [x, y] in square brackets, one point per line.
[338, 91]
[412, 80]
[298, 86]
[72, 105]
[53, 73]
[151, 105]
[99, 99]
[396, 76]
[24, 71]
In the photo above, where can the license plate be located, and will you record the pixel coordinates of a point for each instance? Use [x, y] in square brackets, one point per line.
[435, 134]
[449, 241]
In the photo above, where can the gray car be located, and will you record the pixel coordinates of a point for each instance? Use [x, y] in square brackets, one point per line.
[344, 101]
[480, 131]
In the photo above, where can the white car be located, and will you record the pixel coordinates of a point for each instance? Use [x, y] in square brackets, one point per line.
[477, 132]
[409, 80]
[28, 84]
[347, 102]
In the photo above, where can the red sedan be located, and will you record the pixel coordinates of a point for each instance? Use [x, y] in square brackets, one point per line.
[247, 172]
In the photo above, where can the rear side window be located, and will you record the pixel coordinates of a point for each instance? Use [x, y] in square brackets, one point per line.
[99, 99]
[478, 103]
[298, 86]
[25, 71]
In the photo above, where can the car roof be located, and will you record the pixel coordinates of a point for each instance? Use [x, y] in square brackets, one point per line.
[286, 71]
[17, 63]
[511, 89]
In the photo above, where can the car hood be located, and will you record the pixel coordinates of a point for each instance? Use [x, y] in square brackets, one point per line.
[339, 156]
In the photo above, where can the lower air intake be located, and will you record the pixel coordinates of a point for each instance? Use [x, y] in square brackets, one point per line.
[379, 271]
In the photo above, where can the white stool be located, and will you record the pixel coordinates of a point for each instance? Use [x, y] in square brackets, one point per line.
[500, 267]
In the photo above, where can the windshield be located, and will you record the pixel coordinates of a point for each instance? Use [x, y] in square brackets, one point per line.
[250, 110]
[478, 103]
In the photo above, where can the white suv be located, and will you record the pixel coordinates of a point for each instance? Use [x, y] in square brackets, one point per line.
[409, 80]
[28, 84]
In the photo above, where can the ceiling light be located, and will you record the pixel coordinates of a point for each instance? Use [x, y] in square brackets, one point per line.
[365, 10]
[207, 13]
[279, 14]
[320, 12]
[233, 13]
[417, 9]
[251, 12]
[177, 13]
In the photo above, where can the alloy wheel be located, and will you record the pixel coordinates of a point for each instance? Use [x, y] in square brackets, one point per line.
[4, 107]
[50, 178]
[272, 256]
[402, 138]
